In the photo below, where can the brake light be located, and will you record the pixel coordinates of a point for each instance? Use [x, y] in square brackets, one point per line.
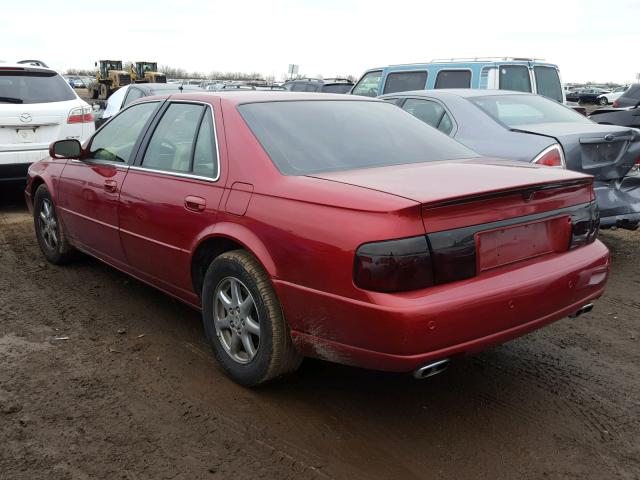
[616, 104]
[394, 265]
[551, 157]
[586, 223]
[81, 115]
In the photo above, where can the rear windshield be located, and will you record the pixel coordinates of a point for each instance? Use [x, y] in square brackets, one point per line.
[337, 88]
[514, 110]
[304, 137]
[33, 87]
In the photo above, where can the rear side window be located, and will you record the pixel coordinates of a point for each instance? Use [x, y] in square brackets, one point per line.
[633, 92]
[515, 77]
[453, 79]
[115, 141]
[171, 144]
[368, 85]
[205, 158]
[305, 137]
[33, 87]
[132, 94]
[405, 81]
[429, 112]
[548, 83]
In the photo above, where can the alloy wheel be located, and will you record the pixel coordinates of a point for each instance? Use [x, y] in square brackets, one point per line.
[48, 224]
[236, 320]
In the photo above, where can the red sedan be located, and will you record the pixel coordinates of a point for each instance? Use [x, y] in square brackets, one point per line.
[322, 225]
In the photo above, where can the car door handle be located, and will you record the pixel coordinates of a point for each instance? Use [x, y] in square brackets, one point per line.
[195, 204]
[110, 186]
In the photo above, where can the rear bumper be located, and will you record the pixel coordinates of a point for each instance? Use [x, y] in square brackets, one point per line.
[619, 202]
[401, 332]
[14, 164]
[14, 173]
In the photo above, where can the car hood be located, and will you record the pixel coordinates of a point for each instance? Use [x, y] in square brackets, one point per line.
[436, 182]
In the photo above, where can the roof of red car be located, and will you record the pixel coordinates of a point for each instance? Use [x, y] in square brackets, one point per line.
[252, 96]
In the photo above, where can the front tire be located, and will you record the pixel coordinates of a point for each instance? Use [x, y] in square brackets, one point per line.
[603, 101]
[243, 321]
[49, 231]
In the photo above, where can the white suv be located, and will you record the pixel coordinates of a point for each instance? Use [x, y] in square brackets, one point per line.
[37, 107]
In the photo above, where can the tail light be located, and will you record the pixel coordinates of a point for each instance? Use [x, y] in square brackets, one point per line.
[81, 115]
[551, 157]
[616, 104]
[586, 223]
[394, 265]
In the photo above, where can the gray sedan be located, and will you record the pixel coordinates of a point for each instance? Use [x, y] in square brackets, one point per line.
[531, 128]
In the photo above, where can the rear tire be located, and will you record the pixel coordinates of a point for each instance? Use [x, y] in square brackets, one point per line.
[243, 321]
[603, 101]
[49, 229]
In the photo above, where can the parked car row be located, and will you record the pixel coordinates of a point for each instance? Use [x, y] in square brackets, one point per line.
[445, 199]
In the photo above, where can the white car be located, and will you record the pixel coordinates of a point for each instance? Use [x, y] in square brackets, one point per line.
[37, 107]
[608, 98]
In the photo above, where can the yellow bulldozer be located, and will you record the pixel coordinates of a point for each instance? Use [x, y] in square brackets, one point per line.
[110, 77]
[147, 72]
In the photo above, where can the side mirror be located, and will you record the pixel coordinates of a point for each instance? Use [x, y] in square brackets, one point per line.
[65, 149]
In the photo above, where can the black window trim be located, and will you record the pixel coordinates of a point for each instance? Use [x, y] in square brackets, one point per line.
[394, 72]
[381, 71]
[151, 128]
[136, 146]
[453, 70]
[453, 131]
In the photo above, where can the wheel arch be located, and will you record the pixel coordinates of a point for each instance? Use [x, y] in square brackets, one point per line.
[226, 237]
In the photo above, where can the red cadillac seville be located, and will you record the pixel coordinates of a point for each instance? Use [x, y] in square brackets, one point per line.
[317, 225]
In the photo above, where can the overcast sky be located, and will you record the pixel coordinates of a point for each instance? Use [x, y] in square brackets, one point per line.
[589, 40]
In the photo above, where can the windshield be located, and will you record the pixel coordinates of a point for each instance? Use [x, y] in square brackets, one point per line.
[33, 87]
[304, 137]
[514, 110]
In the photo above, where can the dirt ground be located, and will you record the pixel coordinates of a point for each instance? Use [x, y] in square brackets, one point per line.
[104, 377]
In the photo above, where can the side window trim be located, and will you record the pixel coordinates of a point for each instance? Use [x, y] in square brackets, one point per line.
[151, 128]
[139, 141]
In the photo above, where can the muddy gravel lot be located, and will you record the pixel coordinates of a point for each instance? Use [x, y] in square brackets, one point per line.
[102, 376]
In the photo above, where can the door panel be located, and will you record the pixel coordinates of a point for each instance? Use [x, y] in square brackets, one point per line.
[160, 222]
[171, 196]
[88, 197]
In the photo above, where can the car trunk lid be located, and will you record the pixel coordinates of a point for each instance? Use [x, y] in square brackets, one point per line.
[482, 214]
[606, 152]
[31, 126]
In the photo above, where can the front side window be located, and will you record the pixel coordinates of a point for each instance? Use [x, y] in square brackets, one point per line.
[368, 85]
[115, 141]
[171, 144]
[405, 82]
[516, 110]
[429, 112]
[548, 82]
[453, 79]
[306, 137]
[515, 77]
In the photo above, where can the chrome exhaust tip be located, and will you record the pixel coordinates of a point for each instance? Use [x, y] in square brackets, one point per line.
[584, 309]
[431, 369]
